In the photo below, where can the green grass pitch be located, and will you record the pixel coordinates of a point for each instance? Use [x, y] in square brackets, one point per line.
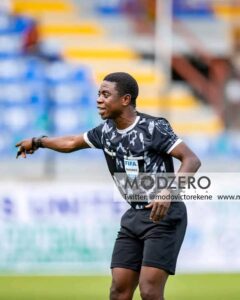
[180, 287]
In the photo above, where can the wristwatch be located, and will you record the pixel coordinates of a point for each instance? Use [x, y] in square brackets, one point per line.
[37, 142]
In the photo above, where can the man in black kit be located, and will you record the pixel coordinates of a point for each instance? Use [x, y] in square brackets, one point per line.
[151, 234]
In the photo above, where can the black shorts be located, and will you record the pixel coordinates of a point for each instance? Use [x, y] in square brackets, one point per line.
[141, 242]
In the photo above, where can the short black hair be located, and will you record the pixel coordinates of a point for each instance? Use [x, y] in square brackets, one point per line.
[125, 84]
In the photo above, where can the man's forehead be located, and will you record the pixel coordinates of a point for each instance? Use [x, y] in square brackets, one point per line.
[108, 85]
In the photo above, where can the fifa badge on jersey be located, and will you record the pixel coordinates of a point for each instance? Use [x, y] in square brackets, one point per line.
[131, 167]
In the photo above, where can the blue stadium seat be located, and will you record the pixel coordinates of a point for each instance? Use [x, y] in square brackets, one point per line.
[108, 7]
[5, 23]
[21, 68]
[17, 118]
[39, 97]
[10, 45]
[196, 10]
[72, 120]
[22, 92]
[61, 72]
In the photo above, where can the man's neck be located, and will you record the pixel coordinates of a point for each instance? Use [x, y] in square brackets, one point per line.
[126, 119]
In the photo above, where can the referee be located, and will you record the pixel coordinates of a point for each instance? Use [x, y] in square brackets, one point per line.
[152, 232]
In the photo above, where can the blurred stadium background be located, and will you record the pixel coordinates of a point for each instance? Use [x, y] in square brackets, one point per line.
[56, 211]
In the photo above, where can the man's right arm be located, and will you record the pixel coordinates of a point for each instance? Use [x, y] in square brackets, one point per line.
[65, 144]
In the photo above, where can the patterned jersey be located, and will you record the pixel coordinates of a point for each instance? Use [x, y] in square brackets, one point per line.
[143, 147]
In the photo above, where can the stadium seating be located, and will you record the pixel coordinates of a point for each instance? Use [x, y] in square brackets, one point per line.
[61, 95]
[39, 96]
[87, 40]
[37, 7]
[106, 54]
[71, 97]
[227, 10]
[22, 99]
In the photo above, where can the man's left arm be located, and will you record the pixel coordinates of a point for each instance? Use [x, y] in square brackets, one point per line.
[190, 163]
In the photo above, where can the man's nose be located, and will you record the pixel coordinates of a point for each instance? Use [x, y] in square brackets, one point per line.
[99, 99]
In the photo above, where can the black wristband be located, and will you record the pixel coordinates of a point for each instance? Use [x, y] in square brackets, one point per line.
[37, 142]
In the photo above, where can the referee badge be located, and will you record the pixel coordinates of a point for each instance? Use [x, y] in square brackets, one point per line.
[131, 167]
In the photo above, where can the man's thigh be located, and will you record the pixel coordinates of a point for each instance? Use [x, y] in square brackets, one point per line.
[163, 243]
[125, 265]
[127, 253]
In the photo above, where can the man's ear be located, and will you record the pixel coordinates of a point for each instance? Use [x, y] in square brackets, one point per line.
[126, 100]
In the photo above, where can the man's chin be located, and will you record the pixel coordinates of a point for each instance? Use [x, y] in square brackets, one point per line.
[103, 116]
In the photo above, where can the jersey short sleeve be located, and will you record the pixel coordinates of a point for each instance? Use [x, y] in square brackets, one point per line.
[94, 137]
[164, 139]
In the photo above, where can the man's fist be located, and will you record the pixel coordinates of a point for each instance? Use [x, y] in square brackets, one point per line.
[25, 147]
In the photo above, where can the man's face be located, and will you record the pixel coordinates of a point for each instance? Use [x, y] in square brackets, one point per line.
[109, 102]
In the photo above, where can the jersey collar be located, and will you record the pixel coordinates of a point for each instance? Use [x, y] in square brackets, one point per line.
[125, 130]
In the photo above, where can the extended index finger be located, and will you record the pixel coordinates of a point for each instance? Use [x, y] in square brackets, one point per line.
[19, 152]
